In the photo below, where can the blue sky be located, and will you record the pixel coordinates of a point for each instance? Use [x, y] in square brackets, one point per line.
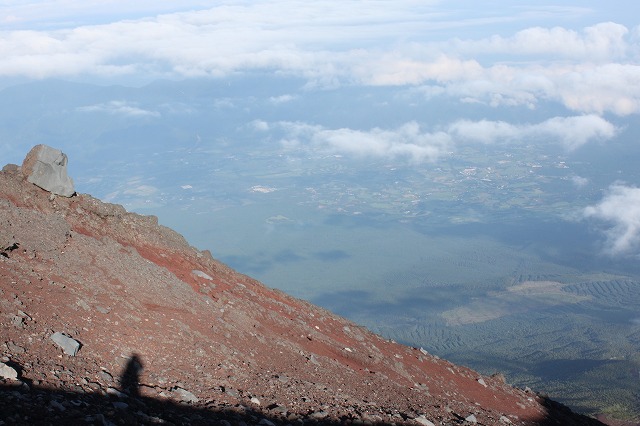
[582, 56]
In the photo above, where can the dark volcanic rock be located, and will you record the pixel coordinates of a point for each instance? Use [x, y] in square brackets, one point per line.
[170, 335]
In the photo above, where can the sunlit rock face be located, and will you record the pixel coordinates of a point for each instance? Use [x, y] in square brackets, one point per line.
[46, 167]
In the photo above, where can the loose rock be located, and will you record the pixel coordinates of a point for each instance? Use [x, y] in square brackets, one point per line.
[471, 419]
[17, 321]
[423, 421]
[105, 376]
[185, 395]
[69, 346]
[201, 274]
[8, 372]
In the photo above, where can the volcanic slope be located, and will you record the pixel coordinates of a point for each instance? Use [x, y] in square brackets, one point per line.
[169, 335]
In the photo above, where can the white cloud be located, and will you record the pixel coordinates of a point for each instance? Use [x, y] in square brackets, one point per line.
[407, 141]
[583, 87]
[329, 42]
[579, 181]
[397, 69]
[599, 89]
[276, 100]
[484, 131]
[259, 125]
[141, 191]
[601, 42]
[119, 108]
[620, 208]
[571, 132]
[590, 71]
[411, 142]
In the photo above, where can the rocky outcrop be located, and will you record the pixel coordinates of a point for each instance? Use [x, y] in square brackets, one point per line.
[46, 167]
[170, 335]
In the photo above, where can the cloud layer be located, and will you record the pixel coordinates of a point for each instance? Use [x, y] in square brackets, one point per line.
[417, 145]
[407, 141]
[620, 209]
[571, 132]
[589, 70]
[119, 108]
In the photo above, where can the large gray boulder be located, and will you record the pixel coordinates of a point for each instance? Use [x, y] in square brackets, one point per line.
[46, 167]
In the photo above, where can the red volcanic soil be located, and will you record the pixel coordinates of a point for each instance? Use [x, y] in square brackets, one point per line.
[170, 335]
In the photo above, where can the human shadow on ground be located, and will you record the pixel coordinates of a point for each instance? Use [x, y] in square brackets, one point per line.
[22, 404]
[130, 379]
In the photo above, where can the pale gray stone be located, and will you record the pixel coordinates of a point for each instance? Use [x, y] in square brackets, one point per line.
[471, 419]
[46, 167]
[17, 321]
[185, 395]
[424, 421]
[314, 360]
[69, 346]
[115, 392]
[201, 274]
[8, 372]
